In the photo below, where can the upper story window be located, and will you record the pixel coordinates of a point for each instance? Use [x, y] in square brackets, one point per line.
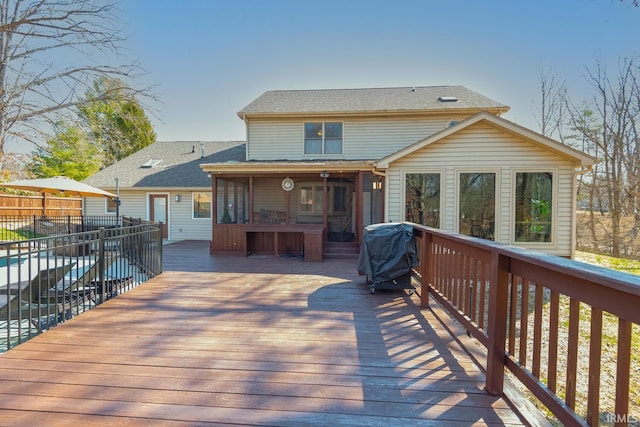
[323, 138]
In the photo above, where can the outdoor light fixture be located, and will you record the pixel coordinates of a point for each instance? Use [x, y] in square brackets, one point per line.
[377, 185]
[324, 174]
[178, 198]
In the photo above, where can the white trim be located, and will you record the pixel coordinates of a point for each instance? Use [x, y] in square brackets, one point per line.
[106, 204]
[323, 154]
[193, 193]
[555, 177]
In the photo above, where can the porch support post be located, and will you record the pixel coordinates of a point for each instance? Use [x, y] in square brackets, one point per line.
[497, 328]
[325, 205]
[214, 209]
[251, 200]
[287, 211]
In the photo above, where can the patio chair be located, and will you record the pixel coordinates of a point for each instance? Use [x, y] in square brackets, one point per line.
[81, 289]
[26, 303]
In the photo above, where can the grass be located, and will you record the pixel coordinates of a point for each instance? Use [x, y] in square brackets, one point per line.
[609, 343]
[619, 264]
[15, 235]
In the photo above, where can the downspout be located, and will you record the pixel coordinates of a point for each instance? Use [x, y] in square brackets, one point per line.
[574, 227]
[246, 137]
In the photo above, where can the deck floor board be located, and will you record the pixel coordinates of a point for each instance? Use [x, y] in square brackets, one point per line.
[248, 341]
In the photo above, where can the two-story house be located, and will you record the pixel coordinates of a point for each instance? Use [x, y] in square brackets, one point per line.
[320, 165]
[329, 162]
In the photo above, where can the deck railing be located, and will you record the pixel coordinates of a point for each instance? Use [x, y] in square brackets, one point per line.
[48, 280]
[564, 329]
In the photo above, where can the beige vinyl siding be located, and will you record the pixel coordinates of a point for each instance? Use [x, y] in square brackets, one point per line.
[362, 138]
[182, 225]
[276, 140]
[482, 148]
[133, 204]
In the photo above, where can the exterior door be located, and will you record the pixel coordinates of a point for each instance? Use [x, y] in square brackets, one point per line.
[159, 212]
[340, 210]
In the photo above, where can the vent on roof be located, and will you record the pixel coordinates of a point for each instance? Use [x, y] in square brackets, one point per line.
[151, 163]
[447, 99]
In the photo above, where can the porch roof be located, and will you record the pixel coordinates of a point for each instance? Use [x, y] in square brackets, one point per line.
[288, 166]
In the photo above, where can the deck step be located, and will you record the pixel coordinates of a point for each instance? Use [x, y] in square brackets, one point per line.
[336, 250]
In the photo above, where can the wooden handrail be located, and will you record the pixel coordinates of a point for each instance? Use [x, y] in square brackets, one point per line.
[529, 310]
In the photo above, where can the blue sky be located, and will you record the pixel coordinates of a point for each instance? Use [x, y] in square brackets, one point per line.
[207, 59]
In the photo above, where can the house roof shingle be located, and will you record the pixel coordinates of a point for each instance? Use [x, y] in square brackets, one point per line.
[372, 100]
[178, 165]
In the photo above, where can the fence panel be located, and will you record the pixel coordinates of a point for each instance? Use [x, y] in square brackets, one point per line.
[44, 204]
[48, 280]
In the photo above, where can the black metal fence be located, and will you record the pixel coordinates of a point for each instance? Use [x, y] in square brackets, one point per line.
[48, 280]
[16, 227]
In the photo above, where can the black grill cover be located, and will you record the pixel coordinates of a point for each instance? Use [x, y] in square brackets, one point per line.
[388, 251]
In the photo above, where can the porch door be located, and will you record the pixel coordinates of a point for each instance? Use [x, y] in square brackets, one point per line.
[341, 210]
[158, 211]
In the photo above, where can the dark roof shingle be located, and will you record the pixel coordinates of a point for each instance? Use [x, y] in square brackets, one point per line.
[399, 99]
[179, 165]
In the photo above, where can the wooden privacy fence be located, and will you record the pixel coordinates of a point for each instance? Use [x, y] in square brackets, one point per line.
[564, 329]
[44, 204]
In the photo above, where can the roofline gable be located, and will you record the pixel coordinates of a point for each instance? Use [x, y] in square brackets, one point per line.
[500, 123]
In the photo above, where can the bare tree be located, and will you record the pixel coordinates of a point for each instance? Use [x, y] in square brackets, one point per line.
[552, 114]
[51, 52]
[616, 139]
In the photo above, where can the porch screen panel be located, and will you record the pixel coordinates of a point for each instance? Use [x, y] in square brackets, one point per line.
[422, 199]
[533, 207]
[232, 201]
[478, 205]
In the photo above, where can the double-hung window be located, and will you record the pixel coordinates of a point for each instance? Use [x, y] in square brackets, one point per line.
[323, 138]
[201, 205]
[111, 206]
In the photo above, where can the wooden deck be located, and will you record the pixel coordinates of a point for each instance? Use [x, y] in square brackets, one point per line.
[248, 341]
